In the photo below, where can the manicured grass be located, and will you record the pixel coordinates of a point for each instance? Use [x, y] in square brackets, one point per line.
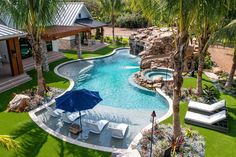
[217, 144]
[35, 141]
[191, 82]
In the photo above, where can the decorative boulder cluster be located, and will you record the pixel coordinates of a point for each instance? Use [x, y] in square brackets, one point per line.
[140, 79]
[156, 47]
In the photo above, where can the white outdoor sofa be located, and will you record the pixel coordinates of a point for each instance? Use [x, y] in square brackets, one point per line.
[118, 130]
[69, 117]
[54, 113]
[96, 126]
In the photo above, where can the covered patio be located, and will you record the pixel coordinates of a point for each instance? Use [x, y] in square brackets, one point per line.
[11, 67]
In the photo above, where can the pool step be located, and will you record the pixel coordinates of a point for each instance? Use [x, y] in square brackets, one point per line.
[87, 69]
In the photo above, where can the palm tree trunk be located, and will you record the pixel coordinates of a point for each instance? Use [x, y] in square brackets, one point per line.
[113, 21]
[45, 56]
[113, 28]
[202, 53]
[178, 81]
[37, 53]
[232, 72]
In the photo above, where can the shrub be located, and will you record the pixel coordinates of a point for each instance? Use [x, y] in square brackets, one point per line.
[131, 21]
[208, 62]
[210, 94]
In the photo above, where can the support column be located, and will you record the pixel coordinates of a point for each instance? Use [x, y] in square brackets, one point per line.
[45, 65]
[78, 45]
[102, 35]
[15, 59]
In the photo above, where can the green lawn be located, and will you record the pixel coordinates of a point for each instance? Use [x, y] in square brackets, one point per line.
[217, 144]
[35, 141]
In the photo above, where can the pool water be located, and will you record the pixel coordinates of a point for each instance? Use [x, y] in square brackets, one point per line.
[165, 74]
[110, 76]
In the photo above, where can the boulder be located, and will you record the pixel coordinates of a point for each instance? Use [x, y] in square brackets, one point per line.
[19, 103]
[216, 70]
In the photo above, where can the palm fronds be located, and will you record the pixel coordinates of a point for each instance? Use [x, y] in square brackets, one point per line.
[8, 143]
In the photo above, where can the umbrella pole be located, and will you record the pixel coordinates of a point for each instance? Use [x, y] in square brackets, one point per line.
[80, 119]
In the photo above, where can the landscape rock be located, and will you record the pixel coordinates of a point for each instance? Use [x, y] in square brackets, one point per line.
[19, 103]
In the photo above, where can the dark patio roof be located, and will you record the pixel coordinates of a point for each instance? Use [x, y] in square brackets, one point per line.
[56, 32]
[90, 23]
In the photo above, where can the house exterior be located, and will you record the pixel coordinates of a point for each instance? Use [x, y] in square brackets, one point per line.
[74, 14]
[72, 19]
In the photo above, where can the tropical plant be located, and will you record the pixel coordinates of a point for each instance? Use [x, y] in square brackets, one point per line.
[112, 8]
[8, 143]
[205, 26]
[228, 35]
[210, 94]
[32, 16]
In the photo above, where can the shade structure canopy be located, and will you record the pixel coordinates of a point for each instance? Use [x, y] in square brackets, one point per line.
[78, 100]
[88, 22]
[55, 32]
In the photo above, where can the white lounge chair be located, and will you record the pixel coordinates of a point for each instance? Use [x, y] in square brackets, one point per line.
[217, 121]
[206, 107]
[54, 113]
[204, 119]
[96, 126]
[71, 117]
[118, 130]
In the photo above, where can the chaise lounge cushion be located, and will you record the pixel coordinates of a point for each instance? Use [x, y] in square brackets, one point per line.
[204, 119]
[206, 107]
[96, 126]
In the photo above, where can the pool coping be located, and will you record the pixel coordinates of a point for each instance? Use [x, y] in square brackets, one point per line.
[33, 116]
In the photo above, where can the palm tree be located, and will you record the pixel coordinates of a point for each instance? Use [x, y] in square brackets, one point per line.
[112, 8]
[8, 143]
[228, 35]
[32, 16]
[179, 13]
[147, 7]
[204, 28]
[183, 12]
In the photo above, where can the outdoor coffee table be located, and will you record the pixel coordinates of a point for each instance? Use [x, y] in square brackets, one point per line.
[75, 129]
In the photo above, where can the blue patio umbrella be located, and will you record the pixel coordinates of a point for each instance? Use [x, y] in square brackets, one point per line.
[78, 100]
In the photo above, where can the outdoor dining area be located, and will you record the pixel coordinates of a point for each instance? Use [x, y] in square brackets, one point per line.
[72, 116]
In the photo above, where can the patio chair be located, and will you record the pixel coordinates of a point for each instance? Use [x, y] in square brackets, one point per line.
[216, 121]
[71, 117]
[54, 113]
[96, 126]
[118, 130]
[207, 109]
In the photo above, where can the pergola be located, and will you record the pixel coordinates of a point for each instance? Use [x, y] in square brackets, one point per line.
[55, 32]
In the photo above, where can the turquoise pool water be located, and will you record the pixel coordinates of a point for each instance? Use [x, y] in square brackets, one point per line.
[110, 76]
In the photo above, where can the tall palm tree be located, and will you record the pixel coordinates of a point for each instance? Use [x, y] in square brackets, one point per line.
[32, 16]
[179, 13]
[228, 35]
[8, 143]
[112, 8]
[210, 18]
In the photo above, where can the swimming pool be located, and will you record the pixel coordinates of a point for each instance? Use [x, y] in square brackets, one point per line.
[110, 76]
[123, 100]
